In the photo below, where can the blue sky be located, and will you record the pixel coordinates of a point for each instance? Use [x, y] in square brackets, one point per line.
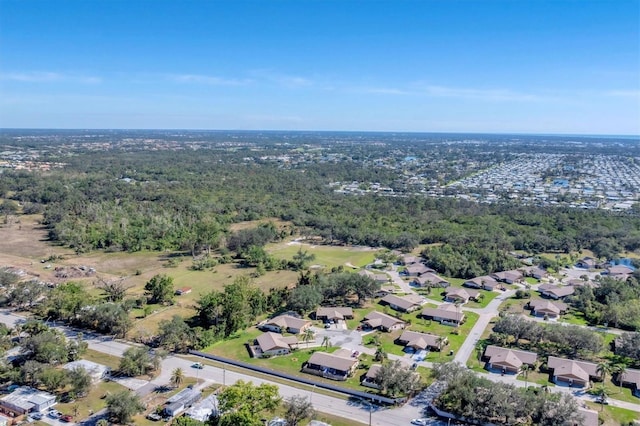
[463, 66]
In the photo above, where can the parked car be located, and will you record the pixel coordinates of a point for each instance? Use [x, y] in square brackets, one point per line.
[154, 417]
[66, 418]
[419, 422]
[36, 416]
[198, 365]
[54, 414]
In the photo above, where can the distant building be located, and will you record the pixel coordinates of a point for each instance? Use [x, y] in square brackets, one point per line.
[182, 291]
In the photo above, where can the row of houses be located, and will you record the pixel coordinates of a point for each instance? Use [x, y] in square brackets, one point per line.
[574, 373]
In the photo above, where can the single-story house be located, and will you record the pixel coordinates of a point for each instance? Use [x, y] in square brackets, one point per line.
[369, 380]
[541, 308]
[572, 372]
[618, 271]
[508, 360]
[25, 400]
[271, 344]
[385, 290]
[447, 314]
[462, 295]
[408, 259]
[508, 277]
[183, 290]
[95, 370]
[286, 323]
[576, 282]
[556, 292]
[587, 263]
[334, 313]
[407, 303]
[420, 341]
[203, 410]
[417, 269]
[484, 282]
[336, 366]
[538, 273]
[429, 279]
[181, 401]
[631, 378]
[380, 278]
[382, 321]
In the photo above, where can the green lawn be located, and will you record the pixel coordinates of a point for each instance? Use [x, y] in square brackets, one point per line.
[488, 296]
[430, 327]
[93, 402]
[531, 280]
[326, 256]
[110, 361]
[614, 416]
[574, 317]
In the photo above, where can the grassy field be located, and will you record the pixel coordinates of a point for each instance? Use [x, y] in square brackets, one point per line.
[326, 256]
[101, 358]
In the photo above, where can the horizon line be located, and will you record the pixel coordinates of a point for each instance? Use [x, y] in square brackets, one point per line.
[324, 131]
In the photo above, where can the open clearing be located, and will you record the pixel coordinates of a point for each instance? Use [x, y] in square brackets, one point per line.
[325, 256]
[24, 245]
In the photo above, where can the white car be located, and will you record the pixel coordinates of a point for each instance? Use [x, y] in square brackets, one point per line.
[419, 422]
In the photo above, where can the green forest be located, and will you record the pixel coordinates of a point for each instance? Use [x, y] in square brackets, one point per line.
[164, 200]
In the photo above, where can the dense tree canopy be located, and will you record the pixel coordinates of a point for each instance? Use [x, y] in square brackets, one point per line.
[468, 395]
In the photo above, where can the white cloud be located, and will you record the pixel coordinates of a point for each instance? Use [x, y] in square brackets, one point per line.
[47, 77]
[483, 94]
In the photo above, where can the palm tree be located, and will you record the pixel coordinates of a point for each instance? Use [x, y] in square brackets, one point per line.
[602, 393]
[603, 369]
[326, 342]
[177, 377]
[524, 369]
[618, 370]
[380, 354]
[308, 336]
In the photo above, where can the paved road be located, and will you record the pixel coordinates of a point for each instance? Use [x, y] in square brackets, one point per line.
[337, 406]
[486, 314]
